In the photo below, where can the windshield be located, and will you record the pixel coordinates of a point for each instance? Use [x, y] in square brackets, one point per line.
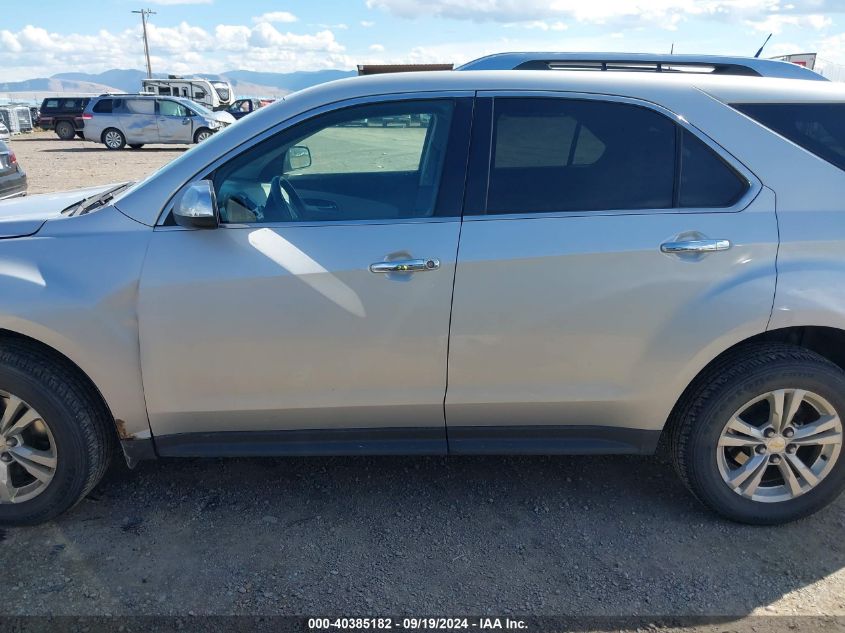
[201, 109]
[222, 89]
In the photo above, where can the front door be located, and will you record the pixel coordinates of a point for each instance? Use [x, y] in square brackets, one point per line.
[316, 317]
[611, 251]
[174, 124]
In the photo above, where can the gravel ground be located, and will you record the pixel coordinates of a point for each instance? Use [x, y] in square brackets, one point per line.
[408, 536]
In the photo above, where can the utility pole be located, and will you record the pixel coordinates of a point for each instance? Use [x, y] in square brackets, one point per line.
[144, 13]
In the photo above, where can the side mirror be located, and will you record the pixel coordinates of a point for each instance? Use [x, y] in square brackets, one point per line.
[196, 206]
[297, 157]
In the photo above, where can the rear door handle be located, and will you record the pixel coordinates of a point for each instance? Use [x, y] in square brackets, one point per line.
[695, 246]
[406, 266]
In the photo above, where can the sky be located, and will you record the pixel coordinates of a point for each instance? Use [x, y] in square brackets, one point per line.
[189, 36]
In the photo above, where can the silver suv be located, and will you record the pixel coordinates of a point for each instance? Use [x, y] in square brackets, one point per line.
[556, 262]
[135, 120]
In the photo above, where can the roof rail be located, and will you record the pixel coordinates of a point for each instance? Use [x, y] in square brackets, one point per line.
[644, 62]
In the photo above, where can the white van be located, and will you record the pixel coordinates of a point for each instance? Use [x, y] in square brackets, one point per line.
[215, 95]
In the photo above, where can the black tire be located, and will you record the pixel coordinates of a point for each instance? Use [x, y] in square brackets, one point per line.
[200, 132]
[699, 419]
[65, 130]
[110, 133]
[137, 146]
[81, 425]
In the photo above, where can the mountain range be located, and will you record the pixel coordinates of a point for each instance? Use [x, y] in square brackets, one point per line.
[245, 82]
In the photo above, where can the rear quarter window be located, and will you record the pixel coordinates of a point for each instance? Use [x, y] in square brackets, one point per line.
[817, 127]
[104, 106]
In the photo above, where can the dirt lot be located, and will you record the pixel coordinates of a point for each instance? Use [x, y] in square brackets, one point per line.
[574, 536]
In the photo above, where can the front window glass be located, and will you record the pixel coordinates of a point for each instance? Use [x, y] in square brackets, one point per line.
[370, 162]
[171, 108]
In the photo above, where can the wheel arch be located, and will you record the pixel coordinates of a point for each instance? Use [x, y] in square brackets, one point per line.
[828, 342]
[134, 447]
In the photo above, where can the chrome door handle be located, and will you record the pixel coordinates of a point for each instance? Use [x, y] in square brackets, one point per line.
[695, 246]
[406, 266]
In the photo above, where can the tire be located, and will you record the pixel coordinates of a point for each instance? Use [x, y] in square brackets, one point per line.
[65, 130]
[732, 389]
[113, 139]
[202, 134]
[80, 426]
[137, 146]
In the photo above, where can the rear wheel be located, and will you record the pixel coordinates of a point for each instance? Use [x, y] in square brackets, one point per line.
[55, 440]
[202, 134]
[759, 438]
[65, 131]
[114, 139]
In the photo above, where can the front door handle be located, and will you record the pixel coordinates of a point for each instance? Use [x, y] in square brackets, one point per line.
[695, 247]
[406, 266]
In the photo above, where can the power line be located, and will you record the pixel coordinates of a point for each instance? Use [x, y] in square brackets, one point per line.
[144, 13]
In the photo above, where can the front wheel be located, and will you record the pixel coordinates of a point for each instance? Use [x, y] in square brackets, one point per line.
[113, 139]
[759, 437]
[202, 134]
[55, 440]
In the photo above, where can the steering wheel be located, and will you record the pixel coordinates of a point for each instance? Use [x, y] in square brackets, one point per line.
[298, 205]
[279, 208]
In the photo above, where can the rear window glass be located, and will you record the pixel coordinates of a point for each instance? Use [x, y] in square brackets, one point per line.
[706, 180]
[817, 127]
[51, 103]
[140, 106]
[571, 155]
[104, 106]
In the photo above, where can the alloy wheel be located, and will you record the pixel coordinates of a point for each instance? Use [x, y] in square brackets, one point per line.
[113, 139]
[779, 445]
[28, 456]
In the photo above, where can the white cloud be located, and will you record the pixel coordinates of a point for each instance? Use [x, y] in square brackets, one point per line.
[284, 17]
[540, 25]
[367, 23]
[775, 23]
[184, 49]
[667, 14]
[377, 48]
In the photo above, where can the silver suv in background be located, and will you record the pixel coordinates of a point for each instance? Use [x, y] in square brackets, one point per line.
[135, 120]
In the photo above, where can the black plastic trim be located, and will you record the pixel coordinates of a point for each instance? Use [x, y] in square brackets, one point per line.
[463, 440]
[551, 440]
[376, 441]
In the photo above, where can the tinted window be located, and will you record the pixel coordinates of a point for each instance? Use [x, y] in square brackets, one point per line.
[817, 127]
[139, 106]
[103, 106]
[571, 155]
[706, 181]
[341, 166]
[51, 104]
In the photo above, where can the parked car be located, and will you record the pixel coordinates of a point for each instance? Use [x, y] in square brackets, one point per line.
[135, 120]
[12, 175]
[5, 135]
[596, 259]
[242, 107]
[63, 115]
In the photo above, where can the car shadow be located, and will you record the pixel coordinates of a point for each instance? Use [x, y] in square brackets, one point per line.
[423, 535]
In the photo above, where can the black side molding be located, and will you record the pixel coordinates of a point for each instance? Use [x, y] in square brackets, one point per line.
[375, 441]
[551, 440]
[463, 440]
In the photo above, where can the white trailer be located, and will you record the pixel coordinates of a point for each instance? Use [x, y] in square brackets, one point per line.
[213, 94]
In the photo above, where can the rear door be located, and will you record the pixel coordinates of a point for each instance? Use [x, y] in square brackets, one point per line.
[138, 120]
[607, 248]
